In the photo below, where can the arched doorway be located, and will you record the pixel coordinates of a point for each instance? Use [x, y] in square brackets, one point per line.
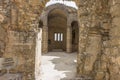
[75, 36]
[57, 24]
[57, 42]
[57, 30]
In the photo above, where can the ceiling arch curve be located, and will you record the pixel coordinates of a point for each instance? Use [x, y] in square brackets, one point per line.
[62, 7]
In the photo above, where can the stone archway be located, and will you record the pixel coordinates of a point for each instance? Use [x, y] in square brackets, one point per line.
[75, 36]
[57, 24]
[63, 11]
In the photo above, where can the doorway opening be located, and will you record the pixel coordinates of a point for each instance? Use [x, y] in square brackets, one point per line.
[57, 24]
[75, 36]
[59, 27]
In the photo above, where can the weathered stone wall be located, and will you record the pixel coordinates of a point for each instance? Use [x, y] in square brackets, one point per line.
[3, 34]
[4, 21]
[85, 15]
[114, 56]
[92, 61]
[21, 47]
[97, 59]
[21, 19]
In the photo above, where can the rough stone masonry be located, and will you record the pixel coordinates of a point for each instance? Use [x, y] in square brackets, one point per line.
[99, 36]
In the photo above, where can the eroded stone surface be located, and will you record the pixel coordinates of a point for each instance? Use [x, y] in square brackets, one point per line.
[99, 22]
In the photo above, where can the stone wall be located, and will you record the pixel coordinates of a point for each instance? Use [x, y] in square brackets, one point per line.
[99, 60]
[21, 19]
[91, 63]
[4, 22]
[17, 36]
[85, 20]
[114, 56]
[3, 34]
[21, 47]
[106, 19]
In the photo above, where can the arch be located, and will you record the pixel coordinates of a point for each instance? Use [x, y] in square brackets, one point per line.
[68, 14]
[57, 24]
[69, 11]
[75, 36]
[63, 7]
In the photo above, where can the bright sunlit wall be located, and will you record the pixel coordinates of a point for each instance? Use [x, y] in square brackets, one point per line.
[67, 3]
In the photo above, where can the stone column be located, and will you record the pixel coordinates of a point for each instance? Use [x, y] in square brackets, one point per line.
[38, 55]
[45, 39]
[69, 40]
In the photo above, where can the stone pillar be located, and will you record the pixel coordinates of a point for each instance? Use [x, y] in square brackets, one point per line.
[69, 40]
[38, 55]
[45, 39]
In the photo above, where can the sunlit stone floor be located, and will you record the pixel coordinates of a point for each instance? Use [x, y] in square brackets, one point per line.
[58, 66]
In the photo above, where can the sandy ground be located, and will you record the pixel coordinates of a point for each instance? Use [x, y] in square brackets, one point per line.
[58, 66]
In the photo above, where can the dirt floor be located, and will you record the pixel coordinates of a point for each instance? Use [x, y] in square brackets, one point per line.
[58, 66]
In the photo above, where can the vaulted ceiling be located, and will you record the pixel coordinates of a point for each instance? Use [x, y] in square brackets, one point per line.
[57, 18]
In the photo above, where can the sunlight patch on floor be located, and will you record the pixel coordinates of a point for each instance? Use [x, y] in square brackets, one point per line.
[53, 68]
